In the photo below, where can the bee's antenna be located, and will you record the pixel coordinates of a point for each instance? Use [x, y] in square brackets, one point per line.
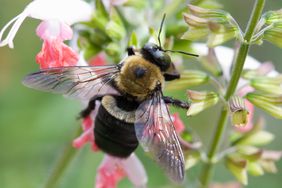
[182, 52]
[161, 27]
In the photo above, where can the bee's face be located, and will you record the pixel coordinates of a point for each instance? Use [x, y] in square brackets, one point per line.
[156, 55]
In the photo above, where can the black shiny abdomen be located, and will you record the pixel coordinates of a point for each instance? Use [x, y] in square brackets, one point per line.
[114, 136]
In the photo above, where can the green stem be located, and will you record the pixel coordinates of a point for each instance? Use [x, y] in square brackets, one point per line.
[206, 174]
[66, 157]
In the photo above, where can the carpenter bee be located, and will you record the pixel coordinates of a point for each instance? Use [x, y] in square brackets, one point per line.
[133, 108]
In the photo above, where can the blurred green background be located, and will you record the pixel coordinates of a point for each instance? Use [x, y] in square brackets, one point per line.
[35, 126]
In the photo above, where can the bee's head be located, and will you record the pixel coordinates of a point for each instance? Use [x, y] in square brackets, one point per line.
[156, 55]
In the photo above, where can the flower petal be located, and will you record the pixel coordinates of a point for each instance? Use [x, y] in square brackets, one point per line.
[109, 173]
[178, 123]
[135, 171]
[53, 29]
[60, 10]
[55, 53]
[67, 11]
[18, 20]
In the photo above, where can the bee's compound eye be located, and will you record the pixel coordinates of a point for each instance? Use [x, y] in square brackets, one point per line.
[139, 72]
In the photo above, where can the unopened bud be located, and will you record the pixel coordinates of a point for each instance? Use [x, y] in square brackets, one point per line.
[274, 34]
[219, 26]
[272, 16]
[201, 101]
[115, 31]
[188, 78]
[259, 138]
[238, 167]
[262, 70]
[211, 63]
[269, 103]
[113, 49]
[255, 169]
[266, 84]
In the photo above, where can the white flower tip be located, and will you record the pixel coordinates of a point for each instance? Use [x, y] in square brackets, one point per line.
[11, 45]
[11, 35]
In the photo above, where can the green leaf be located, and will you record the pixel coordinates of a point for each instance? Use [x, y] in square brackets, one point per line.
[133, 41]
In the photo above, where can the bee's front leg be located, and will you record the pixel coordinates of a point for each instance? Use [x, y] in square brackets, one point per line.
[176, 102]
[91, 106]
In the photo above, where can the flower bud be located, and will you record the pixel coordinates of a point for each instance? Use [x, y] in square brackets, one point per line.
[115, 31]
[267, 160]
[262, 70]
[239, 111]
[211, 63]
[191, 158]
[249, 153]
[238, 167]
[269, 28]
[255, 169]
[269, 103]
[272, 16]
[188, 78]
[201, 101]
[266, 84]
[268, 166]
[274, 34]
[219, 26]
[100, 16]
[113, 50]
[259, 138]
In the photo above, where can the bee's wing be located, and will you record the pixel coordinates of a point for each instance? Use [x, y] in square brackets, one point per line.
[156, 133]
[82, 82]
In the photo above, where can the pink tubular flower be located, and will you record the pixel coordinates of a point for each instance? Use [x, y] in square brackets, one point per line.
[87, 136]
[88, 123]
[178, 123]
[56, 16]
[113, 169]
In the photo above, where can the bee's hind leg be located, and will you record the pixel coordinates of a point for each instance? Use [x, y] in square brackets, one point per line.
[176, 102]
[91, 106]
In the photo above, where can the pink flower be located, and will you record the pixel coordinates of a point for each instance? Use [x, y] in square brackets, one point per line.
[87, 135]
[178, 123]
[57, 10]
[55, 53]
[113, 169]
[98, 60]
[88, 122]
[57, 16]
